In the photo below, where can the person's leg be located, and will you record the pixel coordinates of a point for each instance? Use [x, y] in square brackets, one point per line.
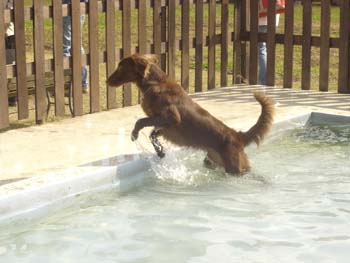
[262, 57]
[84, 72]
[67, 44]
[67, 36]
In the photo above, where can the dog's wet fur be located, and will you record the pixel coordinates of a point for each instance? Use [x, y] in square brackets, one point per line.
[178, 119]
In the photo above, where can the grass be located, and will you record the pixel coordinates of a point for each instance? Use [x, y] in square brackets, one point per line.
[134, 38]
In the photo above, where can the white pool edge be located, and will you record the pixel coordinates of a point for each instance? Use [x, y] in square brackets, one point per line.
[39, 195]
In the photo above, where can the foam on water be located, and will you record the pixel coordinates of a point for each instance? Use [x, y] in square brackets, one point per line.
[293, 207]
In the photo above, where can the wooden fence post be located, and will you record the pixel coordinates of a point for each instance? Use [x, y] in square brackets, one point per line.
[306, 45]
[253, 43]
[4, 112]
[239, 46]
[76, 59]
[198, 82]
[39, 49]
[21, 70]
[58, 57]
[171, 38]
[343, 78]
[211, 44]
[288, 45]
[94, 64]
[157, 41]
[110, 51]
[224, 42]
[185, 45]
[126, 24]
[324, 49]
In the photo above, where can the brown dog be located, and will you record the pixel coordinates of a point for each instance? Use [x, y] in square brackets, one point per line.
[183, 122]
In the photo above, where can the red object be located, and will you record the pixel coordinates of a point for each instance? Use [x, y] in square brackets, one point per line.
[263, 4]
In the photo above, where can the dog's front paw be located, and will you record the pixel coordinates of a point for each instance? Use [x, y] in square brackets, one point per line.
[161, 154]
[134, 135]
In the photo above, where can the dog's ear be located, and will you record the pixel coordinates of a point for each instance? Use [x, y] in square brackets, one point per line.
[151, 58]
[143, 63]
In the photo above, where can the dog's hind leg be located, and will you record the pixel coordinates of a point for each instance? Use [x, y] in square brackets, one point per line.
[158, 147]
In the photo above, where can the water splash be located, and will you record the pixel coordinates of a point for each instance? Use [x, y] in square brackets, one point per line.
[182, 166]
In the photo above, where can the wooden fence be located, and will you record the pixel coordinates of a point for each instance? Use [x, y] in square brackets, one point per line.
[211, 35]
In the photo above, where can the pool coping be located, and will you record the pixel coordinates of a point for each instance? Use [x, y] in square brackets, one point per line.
[39, 195]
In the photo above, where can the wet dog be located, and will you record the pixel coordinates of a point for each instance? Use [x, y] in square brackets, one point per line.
[178, 119]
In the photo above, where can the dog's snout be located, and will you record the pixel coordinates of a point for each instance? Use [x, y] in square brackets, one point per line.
[113, 79]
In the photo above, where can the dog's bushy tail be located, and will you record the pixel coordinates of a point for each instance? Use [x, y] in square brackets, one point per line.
[261, 128]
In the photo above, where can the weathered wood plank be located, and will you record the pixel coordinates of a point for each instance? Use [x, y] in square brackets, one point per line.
[237, 53]
[76, 60]
[39, 49]
[22, 90]
[157, 37]
[4, 112]
[288, 45]
[185, 45]
[343, 79]
[58, 57]
[94, 57]
[224, 42]
[142, 25]
[306, 45]
[199, 47]
[324, 50]
[253, 54]
[212, 42]
[163, 33]
[171, 39]
[111, 52]
[126, 32]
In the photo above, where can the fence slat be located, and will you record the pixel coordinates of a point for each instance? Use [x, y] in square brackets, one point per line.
[157, 41]
[211, 44]
[58, 57]
[4, 112]
[76, 60]
[163, 36]
[198, 82]
[237, 45]
[324, 50]
[271, 44]
[288, 45]
[253, 54]
[126, 16]
[185, 45]
[224, 42]
[94, 57]
[306, 45]
[39, 49]
[111, 54]
[21, 71]
[171, 39]
[343, 78]
[142, 25]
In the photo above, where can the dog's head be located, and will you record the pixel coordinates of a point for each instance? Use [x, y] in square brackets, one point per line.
[132, 69]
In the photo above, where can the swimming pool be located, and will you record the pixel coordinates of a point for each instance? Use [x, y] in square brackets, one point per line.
[293, 207]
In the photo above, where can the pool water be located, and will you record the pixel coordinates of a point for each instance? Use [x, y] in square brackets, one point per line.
[293, 207]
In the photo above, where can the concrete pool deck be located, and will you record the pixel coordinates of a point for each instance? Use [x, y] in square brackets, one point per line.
[53, 147]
